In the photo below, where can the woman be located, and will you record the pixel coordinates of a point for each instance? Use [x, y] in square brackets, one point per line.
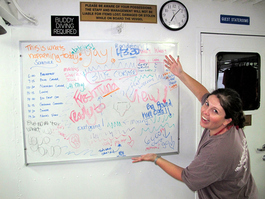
[221, 167]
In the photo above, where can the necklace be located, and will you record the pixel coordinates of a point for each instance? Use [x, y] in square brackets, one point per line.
[222, 130]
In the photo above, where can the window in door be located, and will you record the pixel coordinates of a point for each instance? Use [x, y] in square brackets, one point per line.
[241, 72]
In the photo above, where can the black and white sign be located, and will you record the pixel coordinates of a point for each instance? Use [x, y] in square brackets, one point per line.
[65, 25]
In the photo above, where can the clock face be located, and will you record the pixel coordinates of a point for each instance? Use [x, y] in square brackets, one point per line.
[174, 15]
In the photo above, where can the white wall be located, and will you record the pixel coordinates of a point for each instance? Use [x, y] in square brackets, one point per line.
[105, 179]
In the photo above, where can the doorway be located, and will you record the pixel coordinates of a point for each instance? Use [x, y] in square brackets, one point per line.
[219, 50]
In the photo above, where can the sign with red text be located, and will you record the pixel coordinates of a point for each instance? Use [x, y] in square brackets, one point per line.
[94, 100]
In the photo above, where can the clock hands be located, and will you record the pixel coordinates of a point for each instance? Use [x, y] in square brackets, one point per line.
[174, 15]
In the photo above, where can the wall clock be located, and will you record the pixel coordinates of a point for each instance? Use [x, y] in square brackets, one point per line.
[174, 15]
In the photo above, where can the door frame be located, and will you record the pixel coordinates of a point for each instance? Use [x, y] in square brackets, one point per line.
[210, 83]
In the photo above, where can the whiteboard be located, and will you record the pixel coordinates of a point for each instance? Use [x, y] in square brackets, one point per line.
[97, 100]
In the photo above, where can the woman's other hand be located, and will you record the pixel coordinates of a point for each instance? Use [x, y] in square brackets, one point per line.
[148, 157]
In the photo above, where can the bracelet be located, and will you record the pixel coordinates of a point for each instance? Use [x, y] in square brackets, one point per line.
[158, 156]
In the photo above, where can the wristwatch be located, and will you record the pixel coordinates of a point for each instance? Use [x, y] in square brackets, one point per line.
[158, 156]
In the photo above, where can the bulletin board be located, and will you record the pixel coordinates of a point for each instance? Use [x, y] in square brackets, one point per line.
[97, 100]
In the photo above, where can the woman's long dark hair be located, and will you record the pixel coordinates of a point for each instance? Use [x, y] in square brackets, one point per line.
[232, 105]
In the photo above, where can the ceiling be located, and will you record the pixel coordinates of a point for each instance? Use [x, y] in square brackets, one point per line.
[243, 1]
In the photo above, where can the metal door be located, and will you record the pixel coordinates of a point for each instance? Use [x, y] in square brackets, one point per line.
[211, 44]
